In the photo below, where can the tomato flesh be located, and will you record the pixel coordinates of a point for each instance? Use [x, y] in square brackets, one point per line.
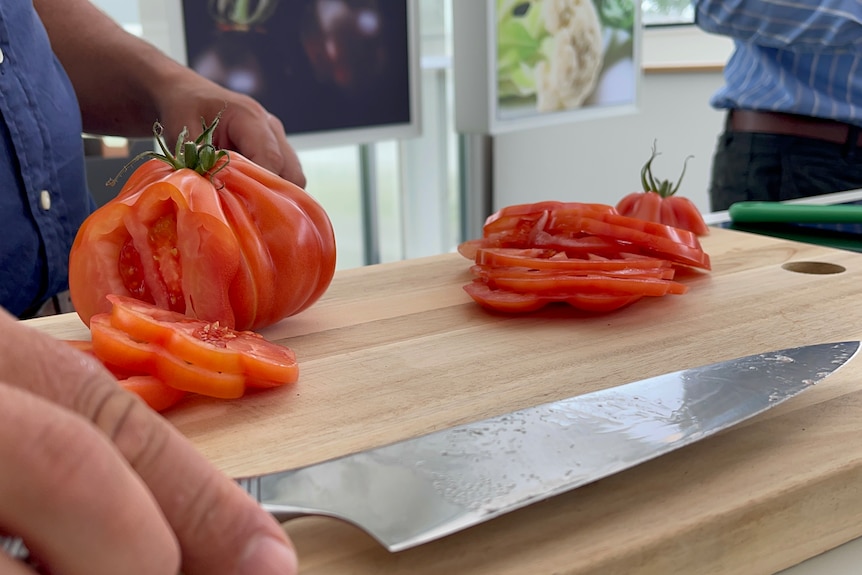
[162, 242]
[162, 236]
[131, 271]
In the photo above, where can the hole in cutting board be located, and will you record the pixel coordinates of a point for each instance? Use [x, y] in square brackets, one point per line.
[821, 268]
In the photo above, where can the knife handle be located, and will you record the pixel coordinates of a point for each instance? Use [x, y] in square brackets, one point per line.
[777, 212]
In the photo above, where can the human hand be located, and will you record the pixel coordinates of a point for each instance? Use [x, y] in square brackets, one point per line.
[245, 126]
[97, 483]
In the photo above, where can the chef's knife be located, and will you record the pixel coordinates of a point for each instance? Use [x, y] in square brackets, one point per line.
[408, 493]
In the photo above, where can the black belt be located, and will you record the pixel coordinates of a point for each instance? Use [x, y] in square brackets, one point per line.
[794, 125]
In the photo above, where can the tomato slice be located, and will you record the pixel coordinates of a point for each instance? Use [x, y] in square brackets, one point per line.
[155, 393]
[115, 346]
[208, 345]
[580, 246]
[571, 285]
[468, 248]
[87, 347]
[490, 274]
[664, 243]
[525, 216]
[80, 344]
[549, 259]
[677, 235]
[601, 303]
[512, 302]
[504, 300]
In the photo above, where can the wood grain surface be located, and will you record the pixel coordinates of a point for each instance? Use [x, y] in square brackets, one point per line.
[397, 350]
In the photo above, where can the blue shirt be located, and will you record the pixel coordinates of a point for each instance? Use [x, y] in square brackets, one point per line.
[43, 190]
[795, 56]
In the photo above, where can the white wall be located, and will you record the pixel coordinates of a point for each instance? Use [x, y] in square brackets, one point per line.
[599, 160]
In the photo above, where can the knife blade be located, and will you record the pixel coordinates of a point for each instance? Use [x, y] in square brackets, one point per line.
[418, 490]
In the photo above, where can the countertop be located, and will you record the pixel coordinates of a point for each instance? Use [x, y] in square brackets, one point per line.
[396, 350]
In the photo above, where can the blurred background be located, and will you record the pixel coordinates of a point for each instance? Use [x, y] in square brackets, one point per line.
[413, 194]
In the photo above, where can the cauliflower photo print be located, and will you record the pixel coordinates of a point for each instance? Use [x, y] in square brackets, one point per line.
[557, 55]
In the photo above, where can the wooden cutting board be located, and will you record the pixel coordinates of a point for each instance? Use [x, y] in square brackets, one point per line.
[398, 350]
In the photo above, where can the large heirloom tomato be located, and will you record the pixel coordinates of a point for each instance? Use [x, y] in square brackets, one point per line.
[207, 233]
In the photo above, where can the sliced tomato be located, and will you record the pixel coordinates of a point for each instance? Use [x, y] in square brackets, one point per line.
[601, 302]
[574, 222]
[550, 259]
[587, 255]
[208, 345]
[664, 243]
[580, 245]
[503, 300]
[469, 248]
[513, 302]
[490, 273]
[80, 344]
[153, 391]
[568, 285]
[87, 347]
[520, 215]
[115, 346]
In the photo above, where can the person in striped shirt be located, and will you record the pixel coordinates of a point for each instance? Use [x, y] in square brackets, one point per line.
[793, 92]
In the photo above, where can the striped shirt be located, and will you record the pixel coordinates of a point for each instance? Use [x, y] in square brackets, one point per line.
[794, 56]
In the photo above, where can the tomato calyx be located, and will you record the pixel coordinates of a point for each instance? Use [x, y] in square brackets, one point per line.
[199, 155]
[664, 188]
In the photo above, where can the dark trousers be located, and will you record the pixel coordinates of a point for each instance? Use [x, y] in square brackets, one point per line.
[771, 167]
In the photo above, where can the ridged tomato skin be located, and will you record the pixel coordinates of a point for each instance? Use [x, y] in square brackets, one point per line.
[242, 246]
[677, 211]
[658, 202]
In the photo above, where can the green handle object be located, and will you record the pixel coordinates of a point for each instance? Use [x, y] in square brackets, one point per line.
[778, 212]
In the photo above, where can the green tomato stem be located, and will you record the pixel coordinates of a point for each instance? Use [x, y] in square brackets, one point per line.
[664, 188]
[199, 155]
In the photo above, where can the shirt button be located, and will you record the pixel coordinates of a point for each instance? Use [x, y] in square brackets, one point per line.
[2, 56]
[45, 200]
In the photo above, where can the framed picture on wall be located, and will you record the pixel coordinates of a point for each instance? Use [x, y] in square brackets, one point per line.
[335, 72]
[521, 64]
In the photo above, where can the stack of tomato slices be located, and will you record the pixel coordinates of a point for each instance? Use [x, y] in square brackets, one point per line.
[586, 255]
[163, 355]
